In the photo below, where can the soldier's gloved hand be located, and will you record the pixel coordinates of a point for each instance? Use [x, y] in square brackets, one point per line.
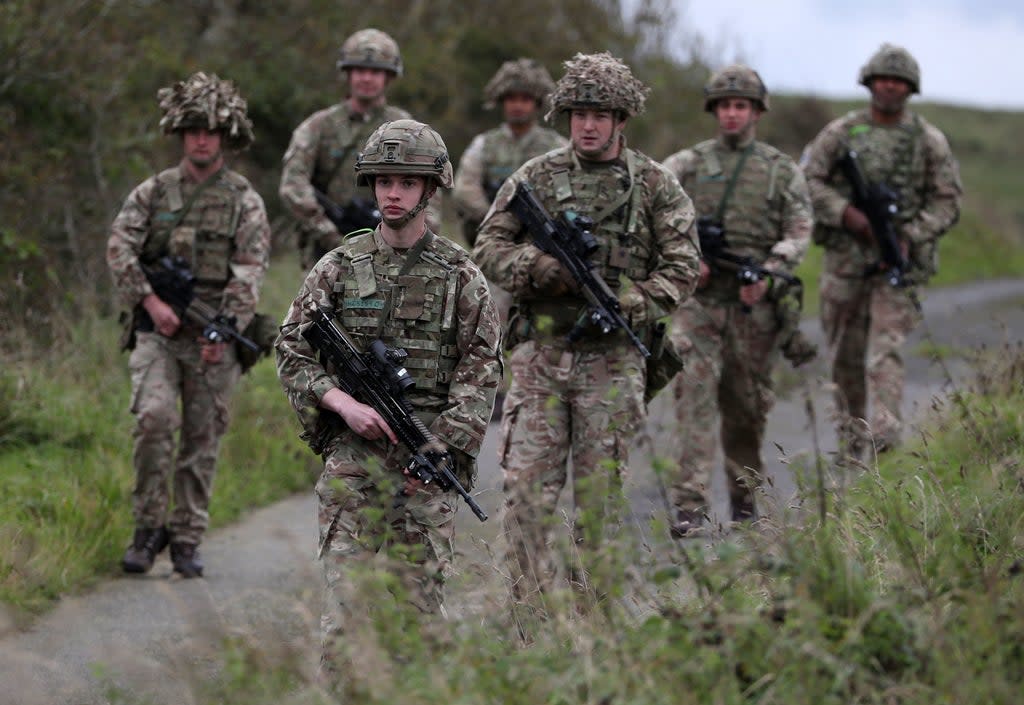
[633, 304]
[857, 223]
[550, 277]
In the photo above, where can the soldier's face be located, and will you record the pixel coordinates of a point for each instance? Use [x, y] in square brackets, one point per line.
[397, 194]
[595, 133]
[202, 146]
[889, 94]
[519, 108]
[367, 85]
[736, 116]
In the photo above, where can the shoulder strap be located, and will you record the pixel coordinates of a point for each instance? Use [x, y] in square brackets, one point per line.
[159, 244]
[625, 195]
[720, 212]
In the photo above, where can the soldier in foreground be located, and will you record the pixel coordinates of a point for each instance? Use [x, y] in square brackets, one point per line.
[211, 222]
[324, 148]
[521, 89]
[885, 188]
[754, 222]
[582, 397]
[408, 288]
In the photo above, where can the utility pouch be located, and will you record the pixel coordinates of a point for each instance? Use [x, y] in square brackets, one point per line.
[664, 363]
[262, 330]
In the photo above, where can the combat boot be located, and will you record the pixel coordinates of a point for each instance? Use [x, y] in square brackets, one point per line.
[145, 547]
[186, 560]
[743, 511]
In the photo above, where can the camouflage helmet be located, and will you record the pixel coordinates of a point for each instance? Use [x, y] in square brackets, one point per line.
[404, 147]
[520, 76]
[891, 60]
[599, 81]
[206, 101]
[370, 49]
[736, 81]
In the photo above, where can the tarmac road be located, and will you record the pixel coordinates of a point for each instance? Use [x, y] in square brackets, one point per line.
[148, 636]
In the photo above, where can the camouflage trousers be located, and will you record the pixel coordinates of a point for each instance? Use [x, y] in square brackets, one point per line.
[585, 404]
[383, 565]
[162, 370]
[866, 322]
[723, 392]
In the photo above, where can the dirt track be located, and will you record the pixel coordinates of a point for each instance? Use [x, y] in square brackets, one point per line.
[148, 634]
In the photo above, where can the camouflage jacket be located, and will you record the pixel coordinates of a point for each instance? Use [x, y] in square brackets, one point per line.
[440, 311]
[490, 159]
[649, 241]
[323, 153]
[768, 213]
[224, 236]
[913, 156]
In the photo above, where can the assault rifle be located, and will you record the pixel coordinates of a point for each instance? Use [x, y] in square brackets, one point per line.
[174, 283]
[570, 242]
[377, 378]
[714, 249]
[357, 214]
[880, 203]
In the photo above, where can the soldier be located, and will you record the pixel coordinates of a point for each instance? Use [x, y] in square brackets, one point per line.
[584, 398]
[211, 217]
[867, 319]
[413, 290]
[755, 198]
[521, 88]
[324, 147]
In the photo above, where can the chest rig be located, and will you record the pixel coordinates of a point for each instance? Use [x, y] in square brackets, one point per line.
[613, 198]
[892, 155]
[408, 300]
[341, 138]
[198, 223]
[751, 211]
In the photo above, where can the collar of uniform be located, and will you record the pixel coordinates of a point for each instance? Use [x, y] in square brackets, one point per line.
[390, 250]
[723, 144]
[506, 131]
[354, 116]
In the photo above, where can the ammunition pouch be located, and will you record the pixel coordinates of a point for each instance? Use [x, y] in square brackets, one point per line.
[262, 330]
[664, 363]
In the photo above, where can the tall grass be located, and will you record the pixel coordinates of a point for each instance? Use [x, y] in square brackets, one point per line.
[65, 456]
[910, 591]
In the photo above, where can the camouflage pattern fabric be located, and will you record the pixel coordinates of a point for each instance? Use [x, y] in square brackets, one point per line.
[583, 399]
[324, 149]
[206, 101]
[726, 382]
[490, 159]
[914, 157]
[442, 313]
[225, 237]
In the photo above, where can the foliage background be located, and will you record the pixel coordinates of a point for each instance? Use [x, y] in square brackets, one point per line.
[78, 113]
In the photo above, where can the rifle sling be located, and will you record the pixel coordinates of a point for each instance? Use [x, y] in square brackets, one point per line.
[729, 187]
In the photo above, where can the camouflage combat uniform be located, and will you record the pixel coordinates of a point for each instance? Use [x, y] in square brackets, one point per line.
[584, 399]
[323, 150]
[490, 159]
[730, 349]
[321, 154]
[866, 320]
[224, 236]
[438, 308]
[493, 155]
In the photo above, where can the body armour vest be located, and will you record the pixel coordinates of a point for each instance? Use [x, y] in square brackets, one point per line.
[615, 196]
[201, 231]
[415, 311]
[752, 217]
[503, 153]
[341, 138]
[891, 155]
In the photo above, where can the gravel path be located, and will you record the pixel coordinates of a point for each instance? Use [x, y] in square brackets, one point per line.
[150, 636]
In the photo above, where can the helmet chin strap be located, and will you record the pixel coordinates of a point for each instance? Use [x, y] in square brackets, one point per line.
[402, 221]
